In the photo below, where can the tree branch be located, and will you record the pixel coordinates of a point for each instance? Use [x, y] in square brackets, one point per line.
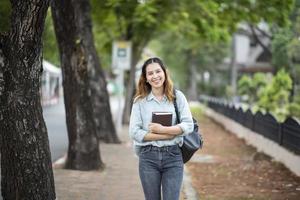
[258, 40]
[264, 33]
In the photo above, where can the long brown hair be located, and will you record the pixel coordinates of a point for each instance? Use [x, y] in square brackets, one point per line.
[144, 88]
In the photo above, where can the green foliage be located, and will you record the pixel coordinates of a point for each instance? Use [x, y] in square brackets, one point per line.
[201, 31]
[175, 66]
[260, 80]
[251, 88]
[198, 29]
[271, 11]
[286, 47]
[103, 46]
[213, 89]
[178, 59]
[202, 23]
[294, 107]
[273, 97]
[50, 48]
[124, 20]
[245, 85]
[5, 12]
[280, 42]
[128, 20]
[197, 110]
[293, 50]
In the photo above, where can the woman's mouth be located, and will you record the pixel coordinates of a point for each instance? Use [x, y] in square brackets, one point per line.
[156, 81]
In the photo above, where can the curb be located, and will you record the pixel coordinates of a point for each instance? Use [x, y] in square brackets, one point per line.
[188, 189]
[59, 163]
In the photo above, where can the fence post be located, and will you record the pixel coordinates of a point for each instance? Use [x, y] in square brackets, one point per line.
[253, 122]
[280, 134]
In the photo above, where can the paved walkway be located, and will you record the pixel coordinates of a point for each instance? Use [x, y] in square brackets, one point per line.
[119, 180]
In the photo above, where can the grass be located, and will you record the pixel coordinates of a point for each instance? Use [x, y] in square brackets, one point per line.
[197, 110]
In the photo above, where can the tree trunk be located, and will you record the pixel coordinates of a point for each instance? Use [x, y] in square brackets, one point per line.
[26, 168]
[72, 25]
[233, 67]
[192, 82]
[1, 71]
[130, 89]
[105, 127]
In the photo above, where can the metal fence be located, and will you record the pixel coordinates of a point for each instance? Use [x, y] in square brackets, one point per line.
[286, 134]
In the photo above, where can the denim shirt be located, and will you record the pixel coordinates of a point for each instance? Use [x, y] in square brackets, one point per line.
[141, 116]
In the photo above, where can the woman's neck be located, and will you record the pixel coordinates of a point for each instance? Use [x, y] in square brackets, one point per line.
[158, 92]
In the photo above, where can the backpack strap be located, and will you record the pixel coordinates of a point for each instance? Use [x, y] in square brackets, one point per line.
[176, 107]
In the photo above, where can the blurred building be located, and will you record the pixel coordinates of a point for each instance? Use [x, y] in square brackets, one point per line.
[51, 84]
[250, 52]
[252, 49]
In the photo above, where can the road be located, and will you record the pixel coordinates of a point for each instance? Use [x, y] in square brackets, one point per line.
[54, 117]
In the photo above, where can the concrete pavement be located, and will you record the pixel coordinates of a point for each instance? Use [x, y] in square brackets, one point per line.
[119, 179]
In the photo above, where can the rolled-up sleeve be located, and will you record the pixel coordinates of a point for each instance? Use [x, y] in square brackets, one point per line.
[136, 131]
[186, 120]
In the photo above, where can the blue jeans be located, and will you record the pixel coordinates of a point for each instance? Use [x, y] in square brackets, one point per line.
[161, 170]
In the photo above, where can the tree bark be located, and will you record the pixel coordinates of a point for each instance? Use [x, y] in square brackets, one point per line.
[233, 65]
[72, 25]
[105, 127]
[1, 69]
[192, 82]
[130, 89]
[26, 168]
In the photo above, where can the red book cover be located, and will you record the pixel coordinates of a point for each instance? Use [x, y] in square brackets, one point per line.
[163, 118]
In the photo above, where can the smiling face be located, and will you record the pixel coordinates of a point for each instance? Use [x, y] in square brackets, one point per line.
[155, 75]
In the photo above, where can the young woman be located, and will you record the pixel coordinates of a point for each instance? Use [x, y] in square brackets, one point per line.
[160, 160]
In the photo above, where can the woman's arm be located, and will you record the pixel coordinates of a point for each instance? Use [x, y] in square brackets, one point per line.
[135, 128]
[186, 124]
[165, 130]
[156, 136]
[136, 132]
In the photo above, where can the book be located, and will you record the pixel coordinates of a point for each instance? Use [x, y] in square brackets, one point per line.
[163, 118]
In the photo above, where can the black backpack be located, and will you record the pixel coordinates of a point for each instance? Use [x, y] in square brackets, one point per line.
[191, 142]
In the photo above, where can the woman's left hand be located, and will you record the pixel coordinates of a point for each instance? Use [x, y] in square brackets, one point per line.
[156, 128]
